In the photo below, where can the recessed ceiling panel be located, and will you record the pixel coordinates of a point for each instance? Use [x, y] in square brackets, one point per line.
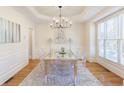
[54, 10]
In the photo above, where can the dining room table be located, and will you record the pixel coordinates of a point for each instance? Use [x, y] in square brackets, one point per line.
[63, 60]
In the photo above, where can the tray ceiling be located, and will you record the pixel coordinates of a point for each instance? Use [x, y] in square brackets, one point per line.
[54, 10]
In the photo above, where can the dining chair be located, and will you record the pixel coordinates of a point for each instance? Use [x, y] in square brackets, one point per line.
[84, 60]
[42, 55]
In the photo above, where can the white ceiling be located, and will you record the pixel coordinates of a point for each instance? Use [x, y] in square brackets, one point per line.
[54, 10]
[43, 14]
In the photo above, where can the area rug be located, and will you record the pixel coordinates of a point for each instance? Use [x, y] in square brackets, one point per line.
[58, 77]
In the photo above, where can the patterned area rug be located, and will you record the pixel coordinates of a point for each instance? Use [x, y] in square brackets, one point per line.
[59, 77]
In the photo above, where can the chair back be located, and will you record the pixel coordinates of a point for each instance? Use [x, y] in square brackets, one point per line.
[84, 59]
[42, 55]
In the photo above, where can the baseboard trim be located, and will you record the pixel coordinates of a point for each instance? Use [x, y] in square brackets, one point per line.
[34, 60]
[113, 67]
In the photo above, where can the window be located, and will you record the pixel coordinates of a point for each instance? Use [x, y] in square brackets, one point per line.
[101, 30]
[122, 52]
[122, 40]
[111, 39]
[111, 50]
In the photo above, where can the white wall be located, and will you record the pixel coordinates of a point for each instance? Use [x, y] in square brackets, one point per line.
[91, 45]
[14, 56]
[44, 32]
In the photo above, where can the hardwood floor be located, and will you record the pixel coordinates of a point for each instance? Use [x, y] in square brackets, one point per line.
[106, 77]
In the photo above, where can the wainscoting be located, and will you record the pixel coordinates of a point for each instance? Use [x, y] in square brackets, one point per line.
[116, 68]
[12, 64]
[19, 77]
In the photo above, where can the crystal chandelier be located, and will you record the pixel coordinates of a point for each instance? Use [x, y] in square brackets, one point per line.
[60, 22]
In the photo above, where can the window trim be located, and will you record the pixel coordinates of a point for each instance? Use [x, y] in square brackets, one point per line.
[118, 40]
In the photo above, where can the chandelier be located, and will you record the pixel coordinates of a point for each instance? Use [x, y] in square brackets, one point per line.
[60, 22]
